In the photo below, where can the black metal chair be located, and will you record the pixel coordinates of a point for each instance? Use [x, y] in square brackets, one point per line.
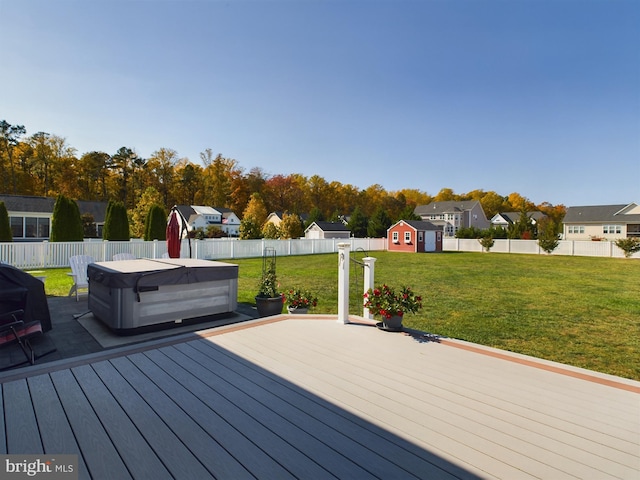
[14, 330]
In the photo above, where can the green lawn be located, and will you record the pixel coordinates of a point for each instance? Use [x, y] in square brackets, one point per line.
[582, 311]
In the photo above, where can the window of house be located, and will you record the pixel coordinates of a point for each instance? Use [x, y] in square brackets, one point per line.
[612, 229]
[576, 228]
[17, 227]
[395, 237]
[407, 237]
[29, 227]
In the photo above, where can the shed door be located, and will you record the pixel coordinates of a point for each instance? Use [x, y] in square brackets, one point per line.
[429, 242]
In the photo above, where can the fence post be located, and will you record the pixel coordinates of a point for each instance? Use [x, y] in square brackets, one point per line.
[343, 283]
[369, 280]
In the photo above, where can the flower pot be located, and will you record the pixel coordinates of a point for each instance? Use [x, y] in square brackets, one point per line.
[393, 323]
[297, 310]
[269, 306]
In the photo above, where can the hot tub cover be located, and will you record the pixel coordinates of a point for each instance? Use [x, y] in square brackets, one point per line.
[144, 274]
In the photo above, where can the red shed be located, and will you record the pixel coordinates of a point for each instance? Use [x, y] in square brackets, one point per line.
[414, 236]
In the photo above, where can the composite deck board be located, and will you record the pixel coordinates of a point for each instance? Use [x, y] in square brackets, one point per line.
[167, 446]
[22, 427]
[203, 445]
[3, 438]
[316, 399]
[388, 412]
[572, 457]
[418, 388]
[343, 456]
[99, 453]
[136, 453]
[365, 439]
[287, 428]
[252, 456]
[55, 431]
[287, 455]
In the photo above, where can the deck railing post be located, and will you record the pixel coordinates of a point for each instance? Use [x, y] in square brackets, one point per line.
[369, 280]
[343, 283]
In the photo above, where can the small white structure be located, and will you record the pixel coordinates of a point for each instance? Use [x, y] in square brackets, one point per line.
[327, 230]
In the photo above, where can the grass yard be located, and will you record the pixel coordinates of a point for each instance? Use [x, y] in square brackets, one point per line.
[581, 311]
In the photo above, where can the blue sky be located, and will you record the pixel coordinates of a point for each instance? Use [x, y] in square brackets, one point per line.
[530, 96]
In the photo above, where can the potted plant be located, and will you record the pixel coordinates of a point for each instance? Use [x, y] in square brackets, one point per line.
[391, 305]
[269, 300]
[300, 301]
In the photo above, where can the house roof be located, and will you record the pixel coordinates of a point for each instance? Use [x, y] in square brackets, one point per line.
[33, 204]
[513, 217]
[330, 226]
[204, 210]
[419, 225]
[603, 213]
[28, 203]
[445, 207]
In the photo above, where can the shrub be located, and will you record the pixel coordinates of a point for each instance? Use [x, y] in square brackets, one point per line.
[5, 226]
[66, 223]
[155, 225]
[628, 245]
[116, 223]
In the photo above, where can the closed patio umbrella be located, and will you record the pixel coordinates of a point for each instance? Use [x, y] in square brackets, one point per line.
[173, 235]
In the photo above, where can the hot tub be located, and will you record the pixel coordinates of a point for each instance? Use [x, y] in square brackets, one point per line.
[130, 296]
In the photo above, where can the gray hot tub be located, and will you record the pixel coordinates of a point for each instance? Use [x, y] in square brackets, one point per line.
[134, 295]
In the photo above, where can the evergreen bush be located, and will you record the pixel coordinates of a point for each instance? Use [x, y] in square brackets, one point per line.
[5, 227]
[66, 223]
[116, 223]
[155, 225]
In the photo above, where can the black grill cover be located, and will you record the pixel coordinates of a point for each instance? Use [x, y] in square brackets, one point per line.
[19, 290]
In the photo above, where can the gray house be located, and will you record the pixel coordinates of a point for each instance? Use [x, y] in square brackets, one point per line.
[453, 215]
[30, 216]
[598, 222]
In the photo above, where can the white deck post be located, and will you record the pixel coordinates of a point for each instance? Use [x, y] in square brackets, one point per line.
[369, 279]
[343, 282]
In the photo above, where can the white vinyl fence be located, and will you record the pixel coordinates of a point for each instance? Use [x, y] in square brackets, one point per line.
[565, 247]
[56, 254]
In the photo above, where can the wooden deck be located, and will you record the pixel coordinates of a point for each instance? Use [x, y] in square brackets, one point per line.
[309, 398]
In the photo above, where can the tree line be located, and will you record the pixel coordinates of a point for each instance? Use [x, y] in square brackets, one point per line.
[43, 164]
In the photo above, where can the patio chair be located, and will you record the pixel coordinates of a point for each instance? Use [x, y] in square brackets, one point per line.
[78, 264]
[124, 256]
[13, 329]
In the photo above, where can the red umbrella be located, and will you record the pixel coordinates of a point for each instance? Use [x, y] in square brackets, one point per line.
[173, 235]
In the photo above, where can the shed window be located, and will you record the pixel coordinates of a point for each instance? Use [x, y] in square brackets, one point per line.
[395, 237]
[407, 237]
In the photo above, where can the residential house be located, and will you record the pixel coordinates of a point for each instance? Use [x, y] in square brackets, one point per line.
[200, 216]
[414, 236]
[598, 222]
[276, 217]
[30, 216]
[454, 215]
[506, 219]
[327, 230]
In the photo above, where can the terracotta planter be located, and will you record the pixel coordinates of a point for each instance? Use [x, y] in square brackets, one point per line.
[269, 306]
[297, 311]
